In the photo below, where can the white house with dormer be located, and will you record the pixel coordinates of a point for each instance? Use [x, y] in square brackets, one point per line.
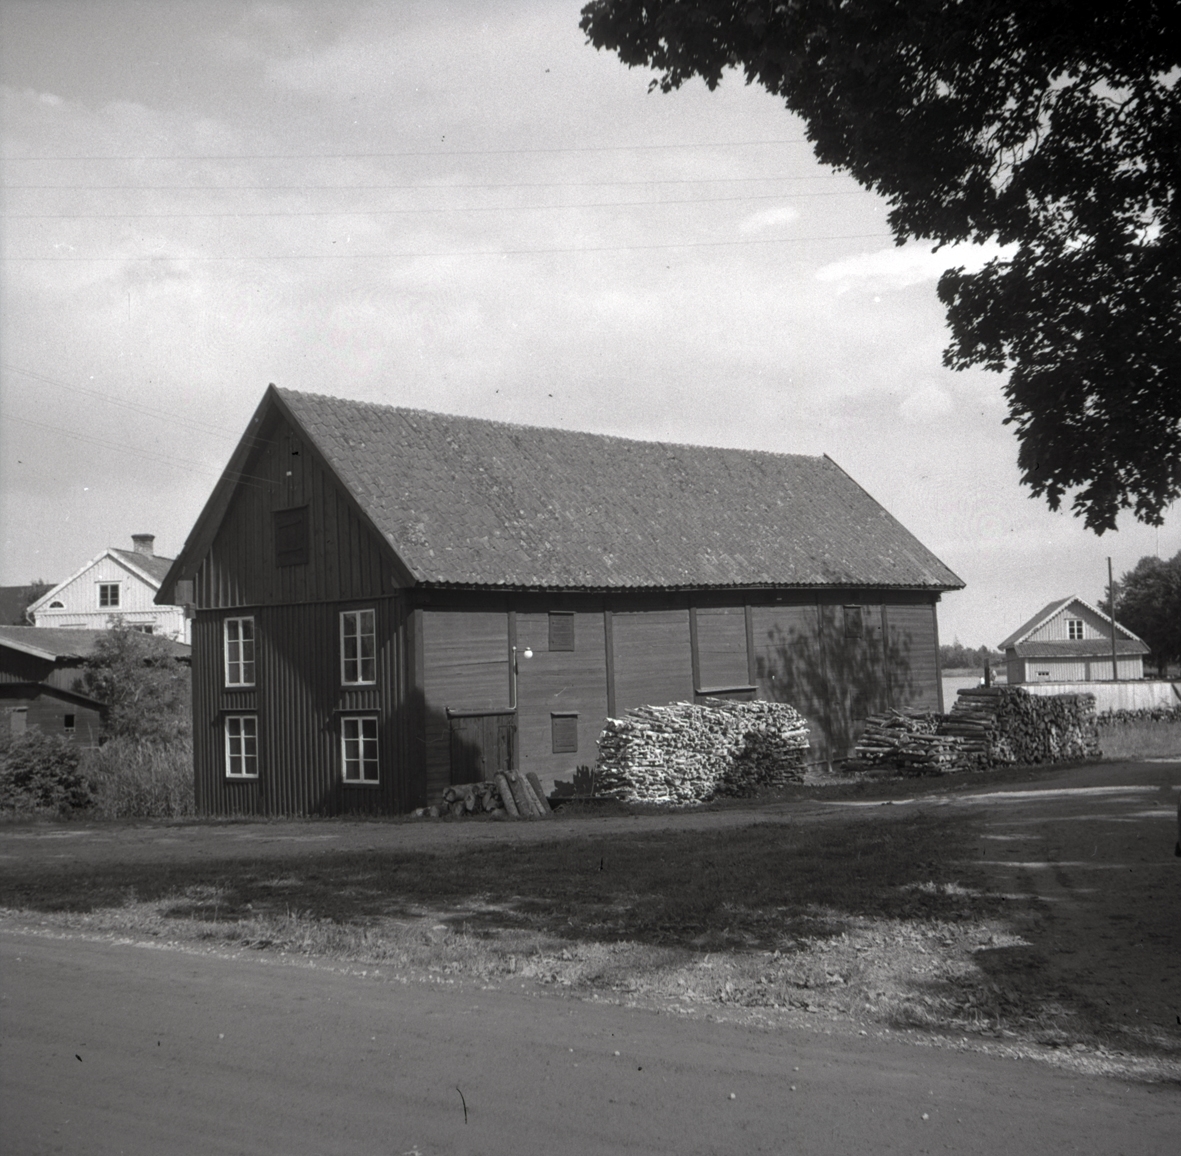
[1070, 641]
[116, 585]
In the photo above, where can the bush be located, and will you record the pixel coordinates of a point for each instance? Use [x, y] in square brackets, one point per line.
[40, 774]
[141, 780]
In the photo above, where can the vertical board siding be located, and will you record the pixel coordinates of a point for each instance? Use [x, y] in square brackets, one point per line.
[789, 665]
[346, 559]
[1056, 629]
[721, 647]
[298, 699]
[561, 681]
[653, 658]
[465, 668]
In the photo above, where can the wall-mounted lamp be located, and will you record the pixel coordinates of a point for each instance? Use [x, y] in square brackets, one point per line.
[528, 652]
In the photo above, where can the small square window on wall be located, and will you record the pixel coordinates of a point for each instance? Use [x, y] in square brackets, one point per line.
[564, 728]
[854, 622]
[239, 641]
[358, 647]
[68, 723]
[241, 746]
[561, 631]
[108, 594]
[291, 536]
[358, 749]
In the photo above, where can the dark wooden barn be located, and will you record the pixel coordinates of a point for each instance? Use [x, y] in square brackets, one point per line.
[39, 670]
[388, 601]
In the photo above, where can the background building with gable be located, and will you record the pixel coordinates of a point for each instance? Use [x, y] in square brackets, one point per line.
[1070, 641]
[115, 584]
[389, 601]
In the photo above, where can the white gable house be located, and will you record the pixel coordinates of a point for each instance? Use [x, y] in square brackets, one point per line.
[115, 585]
[1070, 641]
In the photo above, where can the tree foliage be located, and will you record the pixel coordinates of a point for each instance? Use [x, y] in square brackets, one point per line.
[1054, 127]
[1148, 603]
[145, 688]
[960, 657]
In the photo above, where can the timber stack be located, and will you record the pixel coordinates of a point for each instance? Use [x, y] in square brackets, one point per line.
[512, 793]
[909, 742]
[687, 753]
[1007, 724]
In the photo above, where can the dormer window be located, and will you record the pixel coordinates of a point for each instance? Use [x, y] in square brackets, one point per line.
[1074, 628]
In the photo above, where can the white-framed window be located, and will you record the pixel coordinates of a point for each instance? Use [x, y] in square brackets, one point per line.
[358, 749]
[239, 651]
[1074, 628]
[358, 647]
[108, 594]
[241, 746]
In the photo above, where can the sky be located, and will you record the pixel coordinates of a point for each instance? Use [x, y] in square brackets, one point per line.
[465, 208]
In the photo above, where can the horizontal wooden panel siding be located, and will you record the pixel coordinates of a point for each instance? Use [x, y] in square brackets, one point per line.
[721, 647]
[912, 656]
[346, 559]
[299, 701]
[563, 682]
[465, 668]
[653, 658]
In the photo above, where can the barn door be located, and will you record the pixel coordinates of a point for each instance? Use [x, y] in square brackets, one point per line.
[482, 745]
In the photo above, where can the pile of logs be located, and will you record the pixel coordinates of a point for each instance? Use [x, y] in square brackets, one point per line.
[512, 793]
[687, 753]
[909, 742]
[1007, 724]
[988, 726]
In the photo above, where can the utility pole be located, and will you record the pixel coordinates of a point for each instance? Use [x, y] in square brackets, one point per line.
[1111, 611]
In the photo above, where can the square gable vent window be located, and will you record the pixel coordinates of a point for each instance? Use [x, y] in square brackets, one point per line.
[854, 625]
[291, 536]
[561, 632]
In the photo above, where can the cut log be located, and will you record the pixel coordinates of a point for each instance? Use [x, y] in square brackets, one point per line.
[535, 783]
[506, 795]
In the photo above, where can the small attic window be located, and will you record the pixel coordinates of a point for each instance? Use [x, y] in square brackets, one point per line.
[291, 536]
[108, 594]
[1074, 628]
[56, 605]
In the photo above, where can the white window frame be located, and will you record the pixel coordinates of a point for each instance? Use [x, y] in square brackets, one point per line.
[1073, 624]
[357, 619]
[240, 662]
[243, 758]
[366, 751]
[101, 586]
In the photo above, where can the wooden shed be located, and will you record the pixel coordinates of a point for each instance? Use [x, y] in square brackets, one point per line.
[388, 601]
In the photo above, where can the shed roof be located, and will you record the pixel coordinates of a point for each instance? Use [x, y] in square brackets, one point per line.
[468, 502]
[1049, 611]
[62, 644]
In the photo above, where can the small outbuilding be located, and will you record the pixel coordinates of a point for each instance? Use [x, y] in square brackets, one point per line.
[1070, 641]
[389, 601]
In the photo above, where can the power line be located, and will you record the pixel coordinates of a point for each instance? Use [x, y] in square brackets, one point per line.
[440, 153]
[467, 252]
[366, 212]
[427, 188]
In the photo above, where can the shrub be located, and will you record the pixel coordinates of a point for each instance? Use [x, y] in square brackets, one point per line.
[40, 774]
[139, 780]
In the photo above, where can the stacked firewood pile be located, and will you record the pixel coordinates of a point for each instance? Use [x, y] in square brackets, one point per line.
[907, 741]
[686, 753]
[988, 726]
[1006, 724]
[519, 795]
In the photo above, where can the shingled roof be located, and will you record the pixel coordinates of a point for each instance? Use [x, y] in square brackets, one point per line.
[468, 502]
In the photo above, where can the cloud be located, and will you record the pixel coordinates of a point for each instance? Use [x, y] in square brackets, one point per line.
[900, 267]
[768, 219]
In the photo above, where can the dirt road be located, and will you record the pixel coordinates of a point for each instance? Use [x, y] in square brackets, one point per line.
[116, 1048]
